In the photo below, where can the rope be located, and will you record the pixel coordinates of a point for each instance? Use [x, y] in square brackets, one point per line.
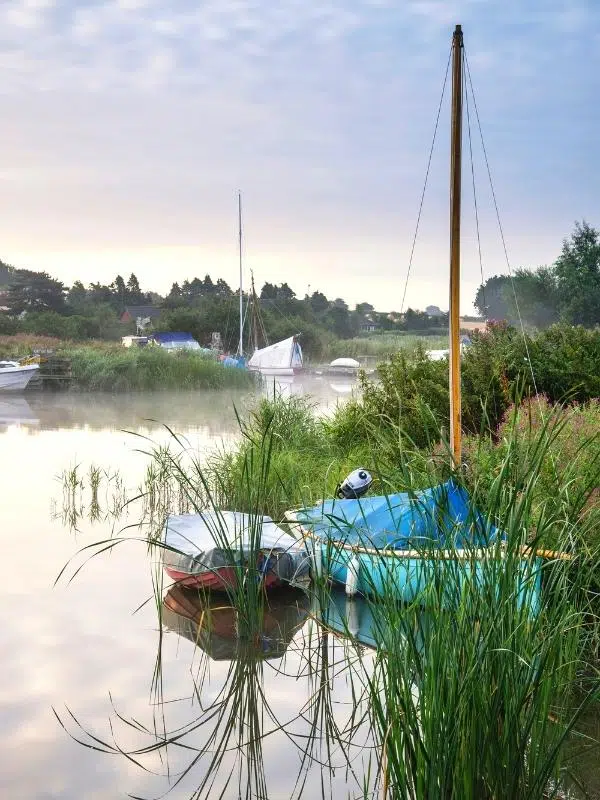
[414, 241]
[466, 94]
[510, 272]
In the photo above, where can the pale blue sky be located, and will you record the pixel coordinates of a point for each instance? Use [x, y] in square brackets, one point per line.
[129, 125]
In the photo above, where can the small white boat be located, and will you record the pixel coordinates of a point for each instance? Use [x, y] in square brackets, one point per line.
[281, 358]
[343, 366]
[14, 377]
[437, 355]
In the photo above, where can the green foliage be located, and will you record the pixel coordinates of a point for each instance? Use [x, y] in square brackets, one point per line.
[34, 291]
[124, 369]
[568, 474]
[577, 272]
[497, 368]
[8, 325]
[569, 290]
[103, 324]
[6, 273]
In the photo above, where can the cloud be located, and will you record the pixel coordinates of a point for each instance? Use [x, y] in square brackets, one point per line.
[156, 112]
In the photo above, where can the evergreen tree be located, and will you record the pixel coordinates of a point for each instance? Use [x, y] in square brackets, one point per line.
[134, 293]
[34, 291]
[120, 290]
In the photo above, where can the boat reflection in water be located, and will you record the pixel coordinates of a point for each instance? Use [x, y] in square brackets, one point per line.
[214, 625]
[15, 411]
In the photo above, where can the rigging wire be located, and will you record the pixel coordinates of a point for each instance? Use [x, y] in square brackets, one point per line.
[414, 241]
[466, 95]
[508, 264]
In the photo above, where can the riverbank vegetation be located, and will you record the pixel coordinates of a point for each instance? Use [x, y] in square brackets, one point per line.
[567, 292]
[466, 671]
[119, 369]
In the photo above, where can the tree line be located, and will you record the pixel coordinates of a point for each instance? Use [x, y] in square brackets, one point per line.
[567, 291]
[38, 303]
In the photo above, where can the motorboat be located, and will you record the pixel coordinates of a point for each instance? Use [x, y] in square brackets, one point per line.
[217, 549]
[14, 377]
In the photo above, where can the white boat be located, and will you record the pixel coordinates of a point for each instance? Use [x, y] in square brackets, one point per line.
[343, 366]
[281, 358]
[14, 377]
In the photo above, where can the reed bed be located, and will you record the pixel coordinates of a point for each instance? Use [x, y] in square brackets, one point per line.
[121, 369]
[383, 345]
[477, 687]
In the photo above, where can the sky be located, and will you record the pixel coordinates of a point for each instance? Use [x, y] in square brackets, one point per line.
[129, 126]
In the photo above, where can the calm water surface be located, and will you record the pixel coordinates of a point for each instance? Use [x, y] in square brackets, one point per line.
[86, 651]
[78, 647]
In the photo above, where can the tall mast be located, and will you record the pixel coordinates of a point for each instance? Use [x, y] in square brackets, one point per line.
[455, 187]
[241, 342]
[254, 315]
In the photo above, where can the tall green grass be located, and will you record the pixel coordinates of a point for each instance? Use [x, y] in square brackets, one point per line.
[122, 369]
[480, 683]
[383, 345]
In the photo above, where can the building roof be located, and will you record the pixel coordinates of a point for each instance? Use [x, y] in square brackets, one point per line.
[172, 336]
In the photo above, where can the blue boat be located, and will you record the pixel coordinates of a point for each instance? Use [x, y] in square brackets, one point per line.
[412, 544]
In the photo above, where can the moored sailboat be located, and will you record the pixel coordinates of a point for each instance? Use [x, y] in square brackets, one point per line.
[407, 544]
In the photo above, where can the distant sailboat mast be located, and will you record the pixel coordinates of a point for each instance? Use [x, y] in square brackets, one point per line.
[240, 351]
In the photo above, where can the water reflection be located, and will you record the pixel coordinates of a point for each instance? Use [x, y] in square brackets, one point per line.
[212, 623]
[213, 411]
[16, 411]
[278, 707]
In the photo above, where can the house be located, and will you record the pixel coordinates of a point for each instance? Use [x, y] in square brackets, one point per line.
[367, 325]
[133, 313]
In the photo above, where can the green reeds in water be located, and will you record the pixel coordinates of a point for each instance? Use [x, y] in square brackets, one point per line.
[478, 683]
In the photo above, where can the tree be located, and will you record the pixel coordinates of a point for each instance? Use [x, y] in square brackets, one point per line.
[284, 293]
[537, 297]
[34, 291]
[174, 299]
[99, 293]
[364, 308]
[6, 273]
[134, 293]
[222, 288]
[208, 286]
[491, 298]
[77, 295]
[577, 272]
[318, 302]
[120, 290]
[268, 292]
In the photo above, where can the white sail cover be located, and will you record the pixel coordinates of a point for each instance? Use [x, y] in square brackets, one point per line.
[195, 543]
[281, 355]
[348, 363]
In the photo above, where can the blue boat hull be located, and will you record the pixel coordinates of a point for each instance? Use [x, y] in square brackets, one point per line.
[408, 579]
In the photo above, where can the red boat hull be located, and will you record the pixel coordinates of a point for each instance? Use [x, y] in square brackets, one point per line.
[220, 579]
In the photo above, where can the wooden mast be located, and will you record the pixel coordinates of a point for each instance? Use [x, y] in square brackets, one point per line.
[241, 342]
[455, 187]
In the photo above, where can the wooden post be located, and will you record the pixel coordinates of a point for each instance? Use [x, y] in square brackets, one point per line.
[455, 187]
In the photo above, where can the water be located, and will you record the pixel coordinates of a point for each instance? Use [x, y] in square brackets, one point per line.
[77, 648]
[90, 653]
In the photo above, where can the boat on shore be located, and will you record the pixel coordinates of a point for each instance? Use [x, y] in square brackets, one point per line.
[14, 377]
[404, 545]
[217, 549]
